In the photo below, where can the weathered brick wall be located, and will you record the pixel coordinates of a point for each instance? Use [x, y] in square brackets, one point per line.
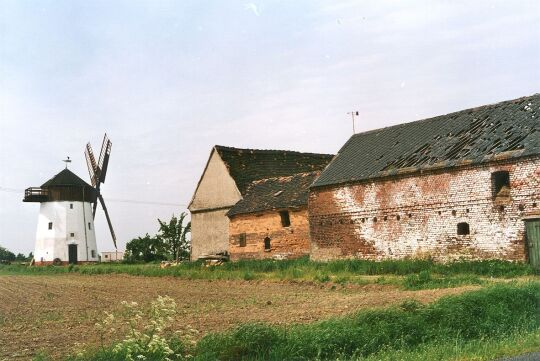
[417, 216]
[292, 241]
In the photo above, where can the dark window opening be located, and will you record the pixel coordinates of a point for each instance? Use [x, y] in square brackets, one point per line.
[72, 234]
[50, 225]
[398, 217]
[385, 218]
[500, 182]
[463, 229]
[535, 205]
[267, 245]
[106, 256]
[375, 220]
[242, 240]
[71, 206]
[89, 226]
[501, 209]
[454, 213]
[93, 254]
[521, 207]
[285, 219]
[410, 215]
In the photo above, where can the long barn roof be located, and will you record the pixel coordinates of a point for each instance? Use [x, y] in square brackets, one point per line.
[506, 130]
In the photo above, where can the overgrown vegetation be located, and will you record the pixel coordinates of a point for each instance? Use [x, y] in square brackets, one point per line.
[409, 274]
[484, 323]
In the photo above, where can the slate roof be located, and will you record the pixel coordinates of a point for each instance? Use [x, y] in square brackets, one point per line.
[248, 165]
[505, 130]
[275, 193]
[65, 178]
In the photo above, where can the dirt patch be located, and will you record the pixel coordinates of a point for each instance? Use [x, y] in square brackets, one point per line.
[52, 313]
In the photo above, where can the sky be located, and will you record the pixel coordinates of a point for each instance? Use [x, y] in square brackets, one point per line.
[167, 80]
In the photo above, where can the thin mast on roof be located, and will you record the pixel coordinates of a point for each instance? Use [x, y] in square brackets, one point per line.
[353, 113]
[66, 161]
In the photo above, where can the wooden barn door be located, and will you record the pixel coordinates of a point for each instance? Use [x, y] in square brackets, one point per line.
[72, 253]
[533, 241]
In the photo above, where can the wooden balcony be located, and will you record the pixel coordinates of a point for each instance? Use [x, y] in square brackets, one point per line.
[36, 194]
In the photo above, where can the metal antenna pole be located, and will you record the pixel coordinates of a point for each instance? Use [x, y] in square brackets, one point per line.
[352, 116]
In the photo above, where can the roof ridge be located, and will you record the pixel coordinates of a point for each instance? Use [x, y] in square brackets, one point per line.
[257, 181]
[254, 150]
[436, 117]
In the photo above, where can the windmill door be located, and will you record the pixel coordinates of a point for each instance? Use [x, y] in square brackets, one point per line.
[533, 241]
[72, 253]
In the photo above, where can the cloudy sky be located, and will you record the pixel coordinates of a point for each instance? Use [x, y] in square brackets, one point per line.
[169, 79]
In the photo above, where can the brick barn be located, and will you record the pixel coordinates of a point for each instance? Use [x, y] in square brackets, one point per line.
[227, 176]
[271, 221]
[462, 185]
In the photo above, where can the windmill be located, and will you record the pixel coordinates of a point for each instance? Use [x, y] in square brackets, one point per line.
[98, 171]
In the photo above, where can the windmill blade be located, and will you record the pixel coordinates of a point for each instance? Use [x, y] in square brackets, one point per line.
[92, 165]
[108, 219]
[94, 210]
[104, 158]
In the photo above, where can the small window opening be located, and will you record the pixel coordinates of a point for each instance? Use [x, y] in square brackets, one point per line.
[410, 215]
[363, 220]
[501, 209]
[521, 207]
[375, 220]
[500, 182]
[385, 218]
[89, 226]
[72, 234]
[71, 206]
[398, 217]
[285, 219]
[439, 213]
[463, 229]
[267, 245]
[454, 213]
[535, 205]
[106, 256]
[467, 210]
[242, 239]
[50, 225]
[93, 253]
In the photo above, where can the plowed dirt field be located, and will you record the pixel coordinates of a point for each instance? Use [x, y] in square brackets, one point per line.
[52, 313]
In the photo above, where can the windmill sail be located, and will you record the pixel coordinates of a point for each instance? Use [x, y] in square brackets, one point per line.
[98, 171]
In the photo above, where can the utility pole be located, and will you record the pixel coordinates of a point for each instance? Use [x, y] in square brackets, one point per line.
[352, 116]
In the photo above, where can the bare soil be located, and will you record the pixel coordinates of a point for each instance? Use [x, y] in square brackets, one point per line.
[52, 313]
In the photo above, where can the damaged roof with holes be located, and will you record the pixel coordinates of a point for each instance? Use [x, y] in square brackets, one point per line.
[275, 193]
[505, 130]
[248, 165]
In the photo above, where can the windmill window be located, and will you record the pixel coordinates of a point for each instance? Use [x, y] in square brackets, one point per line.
[500, 183]
[72, 234]
[89, 226]
[242, 240]
[50, 225]
[267, 245]
[463, 229]
[93, 254]
[285, 219]
[71, 206]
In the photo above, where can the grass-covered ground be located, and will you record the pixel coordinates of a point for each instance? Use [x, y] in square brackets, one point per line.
[410, 274]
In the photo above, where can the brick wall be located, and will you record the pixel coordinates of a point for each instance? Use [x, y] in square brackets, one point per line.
[292, 241]
[417, 216]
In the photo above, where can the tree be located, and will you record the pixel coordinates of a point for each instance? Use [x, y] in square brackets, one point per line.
[145, 249]
[6, 255]
[174, 236]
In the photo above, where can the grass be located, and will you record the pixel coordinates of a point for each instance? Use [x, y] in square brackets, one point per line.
[496, 321]
[418, 273]
[490, 313]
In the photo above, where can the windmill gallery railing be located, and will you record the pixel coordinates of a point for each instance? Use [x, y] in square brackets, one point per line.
[35, 194]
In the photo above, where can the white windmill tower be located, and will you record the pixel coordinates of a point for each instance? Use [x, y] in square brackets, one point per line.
[65, 231]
